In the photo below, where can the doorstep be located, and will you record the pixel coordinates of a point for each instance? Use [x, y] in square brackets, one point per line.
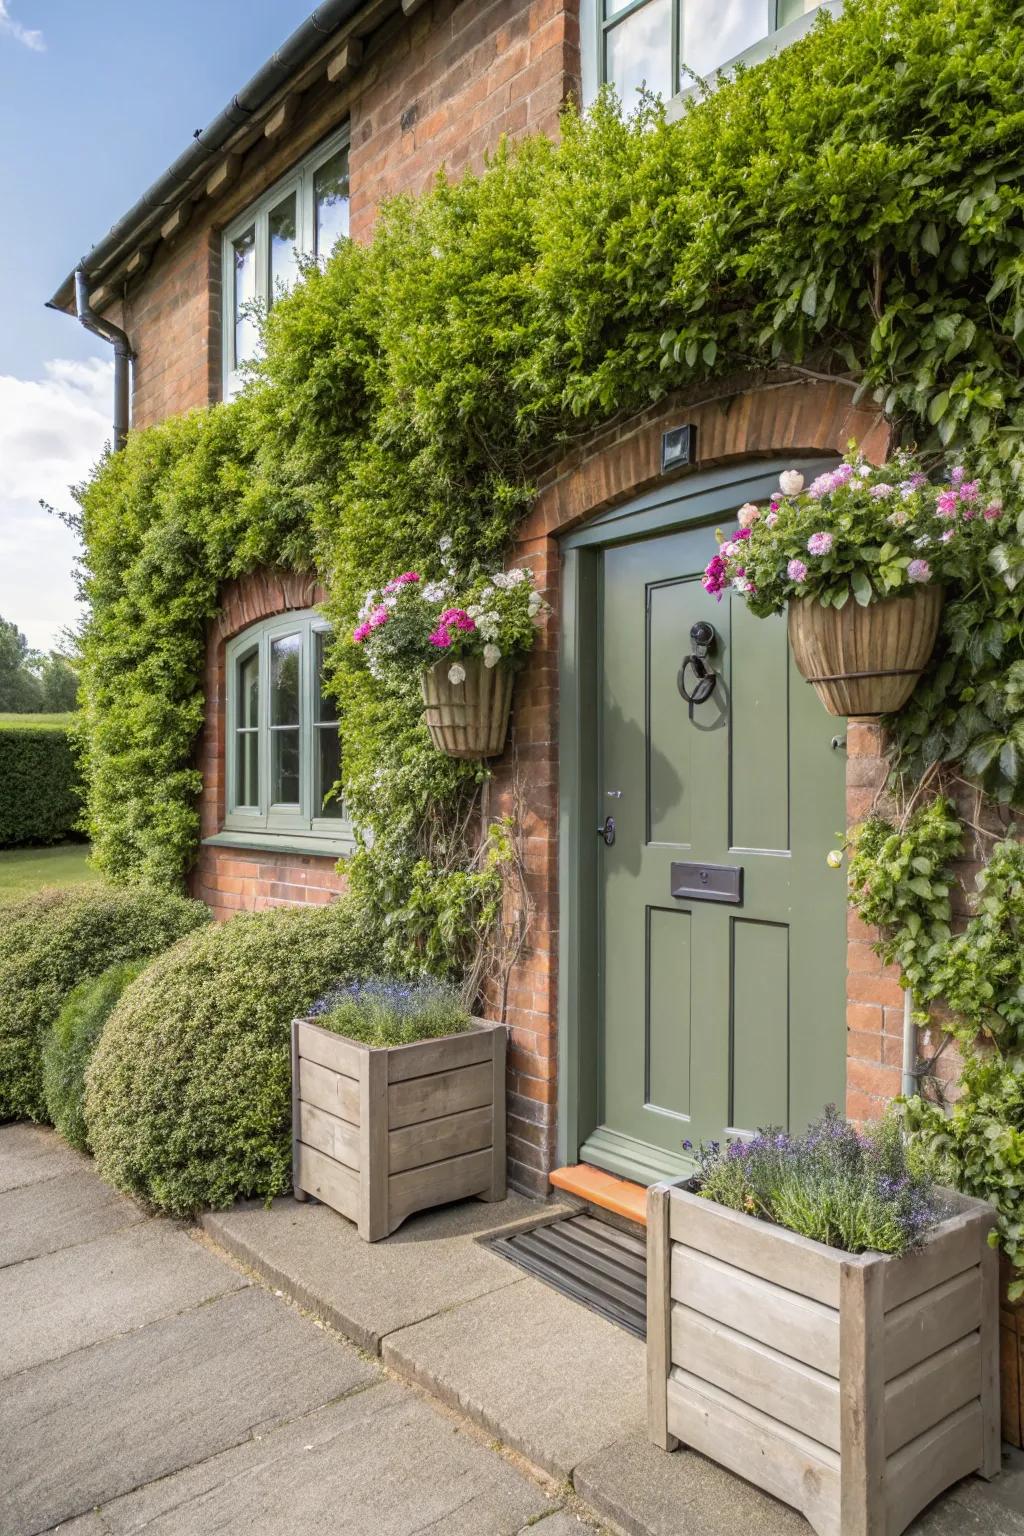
[544, 1376]
[604, 1190]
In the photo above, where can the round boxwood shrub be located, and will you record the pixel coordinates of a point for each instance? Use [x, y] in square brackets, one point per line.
[69, 1044]
[52, 941]
[188, 1095]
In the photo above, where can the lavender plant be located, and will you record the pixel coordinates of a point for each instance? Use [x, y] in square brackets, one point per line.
[856, 1190]
[383, 1013]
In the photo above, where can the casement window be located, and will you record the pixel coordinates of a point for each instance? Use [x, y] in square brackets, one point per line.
[304, 214]
[663, 44]
[283, 754]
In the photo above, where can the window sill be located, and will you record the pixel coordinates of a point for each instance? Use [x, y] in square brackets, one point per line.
[340, 847]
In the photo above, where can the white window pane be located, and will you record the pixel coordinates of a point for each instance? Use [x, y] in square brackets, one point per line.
[638, 52]
[792, 10]
[284, 237]
[246, 330]
[330, 192]
[613, 7]
[714, 31]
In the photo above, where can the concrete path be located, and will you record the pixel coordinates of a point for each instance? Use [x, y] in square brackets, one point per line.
[147, 1383]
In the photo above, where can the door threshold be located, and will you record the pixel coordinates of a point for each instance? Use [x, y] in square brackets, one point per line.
[604, 1190]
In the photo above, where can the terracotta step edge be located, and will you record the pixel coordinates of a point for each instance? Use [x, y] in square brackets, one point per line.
[603, 1190]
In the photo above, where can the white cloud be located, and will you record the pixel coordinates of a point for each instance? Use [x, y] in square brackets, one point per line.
[52, 431]
[31, 37]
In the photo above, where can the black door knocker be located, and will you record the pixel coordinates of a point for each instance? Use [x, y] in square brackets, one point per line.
[702, 638]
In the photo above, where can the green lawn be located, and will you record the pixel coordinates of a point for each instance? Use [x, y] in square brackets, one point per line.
[23, 870]
[35, 722]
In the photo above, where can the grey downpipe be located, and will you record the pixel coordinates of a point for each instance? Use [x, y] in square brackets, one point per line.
[122, 353]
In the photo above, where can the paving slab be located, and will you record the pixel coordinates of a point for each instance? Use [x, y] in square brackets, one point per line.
[381, 1460]
[67, 1300]
[368, 1290]
[60, 1213]
[30, 1153]
[545, 1375]
[648, 1492]
[560, 1523]
[79, 1431]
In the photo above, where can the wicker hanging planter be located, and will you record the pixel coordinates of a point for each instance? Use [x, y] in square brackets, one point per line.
[865, 661]
[468, 719]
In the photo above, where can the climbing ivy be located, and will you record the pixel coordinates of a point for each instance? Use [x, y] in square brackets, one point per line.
[851, 208]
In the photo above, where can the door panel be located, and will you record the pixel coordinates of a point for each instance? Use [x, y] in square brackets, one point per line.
[714, 1016]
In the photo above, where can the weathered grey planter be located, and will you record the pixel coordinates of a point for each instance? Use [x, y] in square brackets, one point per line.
[380, 1133]
[855, 1387]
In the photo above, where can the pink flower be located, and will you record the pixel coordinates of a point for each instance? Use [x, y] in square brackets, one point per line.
[796, 571]
[969, 490]
[771, 518]
[457, 617]
[716, 577]
[917, 480]
[407, 577]
[880, 491]
[993, 510]
[958, 474]
[819, 544]
[774, 504]
[948, 533]
[362, 633]
[945, 504]
[748, 514]
[919, 570]
[441, 638]
[378, 617]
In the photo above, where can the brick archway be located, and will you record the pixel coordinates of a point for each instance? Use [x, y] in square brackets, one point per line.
[234, 879]
[745, 420]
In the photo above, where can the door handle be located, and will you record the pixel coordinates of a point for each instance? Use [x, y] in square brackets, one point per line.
[702, 638]
[607, 831]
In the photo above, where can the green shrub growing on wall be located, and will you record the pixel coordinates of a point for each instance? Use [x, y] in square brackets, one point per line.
[188, 1095]
[40, 785]
[52, 941]
[849, 209]
[68, 1046]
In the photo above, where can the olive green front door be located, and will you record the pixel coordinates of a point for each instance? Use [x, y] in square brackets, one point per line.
[721, 927]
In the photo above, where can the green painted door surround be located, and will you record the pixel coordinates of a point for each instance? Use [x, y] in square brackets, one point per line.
[686, 1019]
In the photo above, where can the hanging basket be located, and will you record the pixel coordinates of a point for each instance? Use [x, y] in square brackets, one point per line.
[468, 719]
[865, 662]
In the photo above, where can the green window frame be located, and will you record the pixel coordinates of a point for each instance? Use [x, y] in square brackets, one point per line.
[282, 750]
[606, 22]
[298, 217]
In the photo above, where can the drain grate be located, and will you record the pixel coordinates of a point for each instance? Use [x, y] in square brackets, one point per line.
[589, 1260]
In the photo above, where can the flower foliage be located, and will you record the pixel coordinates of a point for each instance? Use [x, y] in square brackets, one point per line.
[392, 1012]
[851, 207]
[850, 1189]
[412, 623]
[857, 531]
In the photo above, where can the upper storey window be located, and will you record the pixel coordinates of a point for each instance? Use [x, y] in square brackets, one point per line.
[304, 214]
[663, 44]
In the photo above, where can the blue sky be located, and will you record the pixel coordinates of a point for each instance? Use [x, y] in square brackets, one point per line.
[96, 99]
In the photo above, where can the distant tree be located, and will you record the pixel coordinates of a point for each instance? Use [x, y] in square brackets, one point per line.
[58, 681]
[21, 691]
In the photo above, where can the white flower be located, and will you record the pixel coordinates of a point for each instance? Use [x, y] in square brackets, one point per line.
[514, 577]
[446, 543]
[500, 580]
[488, 624]
[492, 655]
[474, 610]
[486, 593]
[533, 606]
[434, 591]
[391, 601]
[456, 673]
[791, 482]
[748, 514]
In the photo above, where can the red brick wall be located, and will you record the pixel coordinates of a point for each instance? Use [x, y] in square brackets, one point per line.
[613, 466]
[230, 880]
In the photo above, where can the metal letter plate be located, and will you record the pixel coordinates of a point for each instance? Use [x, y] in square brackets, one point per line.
[708, 882]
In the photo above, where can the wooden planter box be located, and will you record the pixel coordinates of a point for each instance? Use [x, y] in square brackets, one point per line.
[855, 1387]
[468, 719]
[380, 1133]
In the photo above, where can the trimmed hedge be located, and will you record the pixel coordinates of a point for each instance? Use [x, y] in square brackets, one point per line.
[42, 785]
[188, 1095]
[68, 1047]
[56, 939]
